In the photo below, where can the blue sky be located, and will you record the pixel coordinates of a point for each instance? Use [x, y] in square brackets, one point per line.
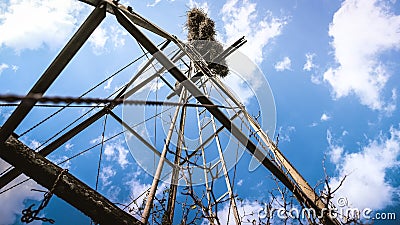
[332, 67]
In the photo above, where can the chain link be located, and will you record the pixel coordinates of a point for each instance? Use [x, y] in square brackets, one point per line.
[69, 100]
[29, 215]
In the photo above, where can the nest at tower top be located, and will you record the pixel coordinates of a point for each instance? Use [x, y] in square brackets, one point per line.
[201, 34]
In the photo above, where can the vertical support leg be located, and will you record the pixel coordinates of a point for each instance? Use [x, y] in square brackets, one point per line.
[205, 170]
[175, 170]
[157, 175]
[226, 175]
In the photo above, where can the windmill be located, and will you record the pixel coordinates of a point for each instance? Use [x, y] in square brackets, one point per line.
[185, 163]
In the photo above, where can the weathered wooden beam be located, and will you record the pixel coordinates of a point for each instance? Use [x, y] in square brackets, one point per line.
[68, 188]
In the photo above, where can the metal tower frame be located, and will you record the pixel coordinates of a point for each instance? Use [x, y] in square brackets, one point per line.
[101, 210]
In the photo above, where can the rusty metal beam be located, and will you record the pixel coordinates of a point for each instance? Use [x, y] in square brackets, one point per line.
[216, 112]
[68, 188]
[53, 71]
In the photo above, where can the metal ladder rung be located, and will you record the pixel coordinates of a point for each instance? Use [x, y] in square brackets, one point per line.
[221, 197]
[212, 167]
[202, 111]
[205, 125]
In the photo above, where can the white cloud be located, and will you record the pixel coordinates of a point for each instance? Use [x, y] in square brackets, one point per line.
[361, 32]
[335, 151]
[138, 189]
[325, 117]
[109, 151]
[98, 40]
[34, 144]
[156, 85]
[285, 64]
[13, 200]
[248, 211]
[309, 62]
[241, 89]
[367, 171]
[241, 19]
[316, 79]
[117, 37]
[136, 192]
[105, 36]
[154, 3]
[203, 5]
[285, 132]
[69, 146]
[31, 24]
[14, 68]
[245, 79]
[112, 193]
[108, 85]
[106, 173]
[3, 66]
[5, 114]
[116, 151]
